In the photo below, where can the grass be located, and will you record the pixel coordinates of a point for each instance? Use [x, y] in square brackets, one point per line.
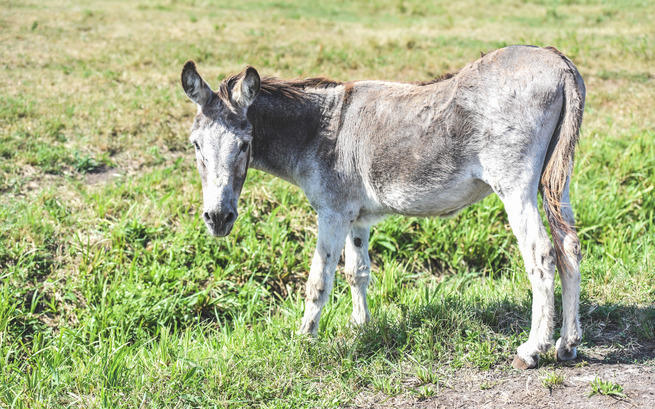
[112, 294]
[608, 388]
[552, 380]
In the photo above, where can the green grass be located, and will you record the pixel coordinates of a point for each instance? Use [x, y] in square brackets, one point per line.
[553, 380]
[608, 388]
[112, 294]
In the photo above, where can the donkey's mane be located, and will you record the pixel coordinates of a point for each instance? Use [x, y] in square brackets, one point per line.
[442, 77]
[280, 87]
[294, 88]
[225, 89]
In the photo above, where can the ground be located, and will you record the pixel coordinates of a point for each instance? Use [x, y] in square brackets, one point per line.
[513, 389]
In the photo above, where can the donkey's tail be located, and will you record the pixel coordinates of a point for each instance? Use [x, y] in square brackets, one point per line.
[559, 157]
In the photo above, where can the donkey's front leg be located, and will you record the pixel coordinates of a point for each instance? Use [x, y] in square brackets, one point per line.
[358, 271]
[332, 231]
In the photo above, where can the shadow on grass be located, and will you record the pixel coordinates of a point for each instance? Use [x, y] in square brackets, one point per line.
[460, 331]
[617, 333]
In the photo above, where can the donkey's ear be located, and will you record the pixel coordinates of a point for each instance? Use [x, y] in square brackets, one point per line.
[194, 86]
[246, 88]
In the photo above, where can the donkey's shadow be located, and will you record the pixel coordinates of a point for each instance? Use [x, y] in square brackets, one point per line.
[613, 332]
[617, 333]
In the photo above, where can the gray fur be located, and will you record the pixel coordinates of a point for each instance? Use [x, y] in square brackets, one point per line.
[506, 123]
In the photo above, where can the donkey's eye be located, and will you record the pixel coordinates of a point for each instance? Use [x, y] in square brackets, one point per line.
[195, 144]
[243, 147]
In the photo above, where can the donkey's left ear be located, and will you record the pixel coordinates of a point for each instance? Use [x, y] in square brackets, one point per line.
[246, 88]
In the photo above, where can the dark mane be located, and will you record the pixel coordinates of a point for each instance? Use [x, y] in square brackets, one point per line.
[440, 78]
[224, 90]
[277, 86]
[293, 88]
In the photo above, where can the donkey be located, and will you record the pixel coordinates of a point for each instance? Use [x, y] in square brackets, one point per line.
[507, 123]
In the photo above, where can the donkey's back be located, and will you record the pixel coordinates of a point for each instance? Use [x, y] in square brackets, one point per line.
[434, 148]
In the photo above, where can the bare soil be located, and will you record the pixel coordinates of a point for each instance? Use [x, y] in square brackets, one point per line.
[470, 388]
[102, 176]
[525, 389]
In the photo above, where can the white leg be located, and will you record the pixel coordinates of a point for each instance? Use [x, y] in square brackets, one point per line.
[569, 273]
[539, 259]
[357, 271]
[332, 230]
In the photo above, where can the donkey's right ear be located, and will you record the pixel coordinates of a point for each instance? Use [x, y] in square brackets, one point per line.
[194, 86]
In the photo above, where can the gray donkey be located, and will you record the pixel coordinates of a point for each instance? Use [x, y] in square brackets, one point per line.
[507, 123]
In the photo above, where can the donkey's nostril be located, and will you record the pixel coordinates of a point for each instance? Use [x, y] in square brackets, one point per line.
[205, 216]
[229, 217]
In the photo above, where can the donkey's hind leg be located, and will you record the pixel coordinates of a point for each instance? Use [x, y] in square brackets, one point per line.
[539, 259]
[358, 270]
[569, 273]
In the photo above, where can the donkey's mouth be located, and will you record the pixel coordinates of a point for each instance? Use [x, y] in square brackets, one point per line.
[220, 231]
[219, 224]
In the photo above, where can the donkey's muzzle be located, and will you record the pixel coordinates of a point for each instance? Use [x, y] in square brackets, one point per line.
[220, 223]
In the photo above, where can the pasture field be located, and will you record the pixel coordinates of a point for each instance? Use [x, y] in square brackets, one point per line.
[112, 293]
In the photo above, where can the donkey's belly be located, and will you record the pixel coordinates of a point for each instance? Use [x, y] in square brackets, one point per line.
[437, 200]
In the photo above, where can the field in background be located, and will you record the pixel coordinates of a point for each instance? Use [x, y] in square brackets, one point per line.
[112, 294]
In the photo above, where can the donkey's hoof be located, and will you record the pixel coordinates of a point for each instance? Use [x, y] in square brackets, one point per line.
[564, 353]
[308, 329]
[303, 333]
[357, 321]
[520, 364]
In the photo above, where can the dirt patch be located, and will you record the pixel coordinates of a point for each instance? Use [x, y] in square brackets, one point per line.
[513, 389]
[101, 176]
[524, 389]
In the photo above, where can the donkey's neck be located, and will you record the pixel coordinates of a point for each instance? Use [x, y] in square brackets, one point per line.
[284, 125]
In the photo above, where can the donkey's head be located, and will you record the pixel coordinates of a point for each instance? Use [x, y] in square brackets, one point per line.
[222, 136]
